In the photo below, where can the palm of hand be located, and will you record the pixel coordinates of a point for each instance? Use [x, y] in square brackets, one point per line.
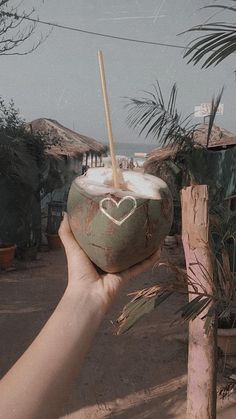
[83, 274]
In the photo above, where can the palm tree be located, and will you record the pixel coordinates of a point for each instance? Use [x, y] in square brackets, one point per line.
[151, 115]
[217, 43]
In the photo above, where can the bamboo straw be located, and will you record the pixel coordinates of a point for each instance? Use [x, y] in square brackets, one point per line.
[108, 120]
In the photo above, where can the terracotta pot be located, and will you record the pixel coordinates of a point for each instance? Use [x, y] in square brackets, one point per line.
[6, 256]
[226, 340]
[54, 241]
[118, 231]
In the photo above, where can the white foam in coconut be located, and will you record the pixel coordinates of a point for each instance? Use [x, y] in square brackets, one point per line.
[98, 181]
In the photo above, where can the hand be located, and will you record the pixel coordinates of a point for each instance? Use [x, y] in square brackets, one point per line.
[83, 276]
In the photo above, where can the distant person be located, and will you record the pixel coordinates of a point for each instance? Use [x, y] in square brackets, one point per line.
[84, 169]
[37, 386]
[131, 164]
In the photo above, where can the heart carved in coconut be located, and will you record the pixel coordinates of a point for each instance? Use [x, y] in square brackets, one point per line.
[105, 211]
[118, 228]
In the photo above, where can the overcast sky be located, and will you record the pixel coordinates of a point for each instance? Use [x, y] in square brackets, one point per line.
[60, 80]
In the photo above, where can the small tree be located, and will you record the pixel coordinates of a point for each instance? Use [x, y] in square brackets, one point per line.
[207, 279]
[23, 171]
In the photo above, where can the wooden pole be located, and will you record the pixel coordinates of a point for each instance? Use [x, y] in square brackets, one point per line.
[202, 360]
[108, 120]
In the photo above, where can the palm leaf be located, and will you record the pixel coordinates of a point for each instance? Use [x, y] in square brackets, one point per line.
[221, 301]
[220, 6]
[208, 44]
[150, 115]
[214, 47]
[133, 312]
[163, 121]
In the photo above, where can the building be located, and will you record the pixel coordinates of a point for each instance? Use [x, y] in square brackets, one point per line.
[212, 163]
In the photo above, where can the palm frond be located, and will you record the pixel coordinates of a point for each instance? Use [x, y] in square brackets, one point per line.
[164, 122]
[220, 302]
[133, 311]
[214, 107]
[220, 6]
[150, 115]
[148, 299]
[213, 47]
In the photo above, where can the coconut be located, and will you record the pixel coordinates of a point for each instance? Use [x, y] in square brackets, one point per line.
[118, 228]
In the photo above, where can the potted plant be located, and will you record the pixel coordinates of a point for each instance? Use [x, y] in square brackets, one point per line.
[7, 254]
[55, 212]
[223, 228]
[153, 116]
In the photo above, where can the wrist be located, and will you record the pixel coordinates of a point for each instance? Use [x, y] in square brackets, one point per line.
[84, 298]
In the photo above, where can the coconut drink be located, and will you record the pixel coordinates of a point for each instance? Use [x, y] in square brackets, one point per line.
[119, 218]
[119, 227]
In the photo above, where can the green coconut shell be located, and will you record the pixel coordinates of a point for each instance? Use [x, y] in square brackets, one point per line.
[113, 247]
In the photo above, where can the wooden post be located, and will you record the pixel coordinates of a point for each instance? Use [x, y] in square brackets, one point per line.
[202, 361]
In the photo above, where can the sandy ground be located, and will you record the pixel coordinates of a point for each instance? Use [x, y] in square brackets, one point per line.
[141, 374]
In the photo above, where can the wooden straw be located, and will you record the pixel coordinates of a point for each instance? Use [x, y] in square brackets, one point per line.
[108, 120]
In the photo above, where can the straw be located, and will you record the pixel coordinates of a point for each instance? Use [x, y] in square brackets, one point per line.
[108, 120]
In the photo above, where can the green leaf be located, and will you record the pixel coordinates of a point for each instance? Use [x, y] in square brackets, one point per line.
[135, 312]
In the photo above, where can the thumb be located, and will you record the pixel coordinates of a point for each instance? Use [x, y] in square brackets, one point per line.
[78, 262]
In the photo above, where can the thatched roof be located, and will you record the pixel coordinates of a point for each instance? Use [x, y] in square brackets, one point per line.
[161, 154]
[220, 137]
[62, 141]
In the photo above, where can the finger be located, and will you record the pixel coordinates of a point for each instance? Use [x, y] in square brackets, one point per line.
[67, 236]
[141, 267]
[77, 259]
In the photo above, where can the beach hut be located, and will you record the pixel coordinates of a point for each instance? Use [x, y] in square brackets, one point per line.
[35, 170]
[212, 163]
[220, 138]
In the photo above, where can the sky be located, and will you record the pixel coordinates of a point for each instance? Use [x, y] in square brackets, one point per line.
[60, 80]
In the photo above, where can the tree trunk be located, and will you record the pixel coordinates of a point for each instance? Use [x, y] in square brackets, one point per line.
[202, 361]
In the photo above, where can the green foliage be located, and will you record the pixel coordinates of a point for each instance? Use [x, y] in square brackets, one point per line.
[22, 155]
[222, 302]
[217, 43]
[11, 122]
[153, 116]
[23, 170]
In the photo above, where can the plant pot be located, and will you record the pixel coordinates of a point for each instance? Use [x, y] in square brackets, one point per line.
[7, 254]
[54, 241]
[226, 340]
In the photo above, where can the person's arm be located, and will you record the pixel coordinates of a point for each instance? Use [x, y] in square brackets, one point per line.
[37, 386]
